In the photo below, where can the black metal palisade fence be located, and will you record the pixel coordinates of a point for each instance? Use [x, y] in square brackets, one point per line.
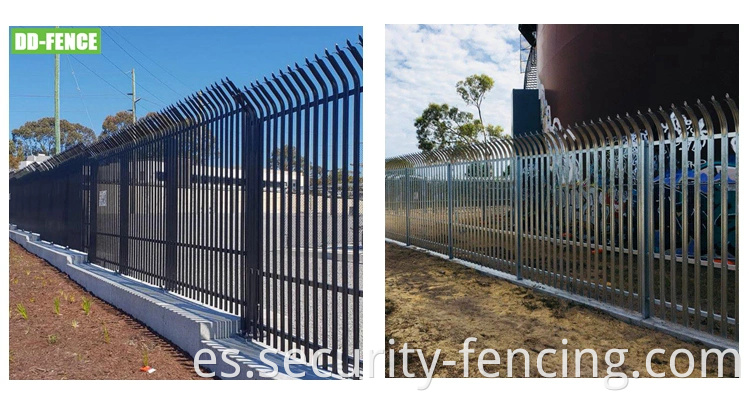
[248, 200]
[637, 213]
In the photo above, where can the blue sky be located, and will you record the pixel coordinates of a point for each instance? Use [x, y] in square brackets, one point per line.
[424, 62]
[174, 62]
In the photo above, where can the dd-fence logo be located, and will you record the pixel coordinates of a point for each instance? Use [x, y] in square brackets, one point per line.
[56, 40]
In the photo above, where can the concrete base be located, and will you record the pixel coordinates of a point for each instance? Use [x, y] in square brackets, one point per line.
[189, 325]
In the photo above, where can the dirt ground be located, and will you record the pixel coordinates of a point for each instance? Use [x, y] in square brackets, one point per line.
[432, 303]
[105, 344]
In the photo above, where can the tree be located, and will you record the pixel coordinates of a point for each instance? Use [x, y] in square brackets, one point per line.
[495, 131]
[441, 125]
[114, 123]
[36, 137]
[15, 154]
[280, 160]
[472, 90]
[480, 170]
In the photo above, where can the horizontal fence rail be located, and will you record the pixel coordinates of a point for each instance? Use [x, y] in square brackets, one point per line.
[245, 199]
[637, 212]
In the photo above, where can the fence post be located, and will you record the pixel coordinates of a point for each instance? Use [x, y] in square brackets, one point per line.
[171, 179]
[519, 273]
[481, 175]
[450, 211]
[408, 207]
[124, 201]
[75, 240]
[93, 207]
[252, 167]
[644, 221]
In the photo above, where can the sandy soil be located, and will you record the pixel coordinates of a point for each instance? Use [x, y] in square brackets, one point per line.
[432, 303]
[105, 344]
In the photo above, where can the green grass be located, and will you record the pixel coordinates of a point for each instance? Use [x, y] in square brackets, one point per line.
[86, 305]
[145, 356]
[22, 311]
[52, 339]
[105, 332]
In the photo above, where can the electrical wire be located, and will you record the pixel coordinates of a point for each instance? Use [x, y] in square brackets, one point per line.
[150, 59]
[63, 95]
[139, 63]
[113, 64]
[73, 72]
[99, 76]
[128, 75]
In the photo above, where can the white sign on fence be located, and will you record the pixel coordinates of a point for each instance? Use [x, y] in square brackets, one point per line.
[102, 198]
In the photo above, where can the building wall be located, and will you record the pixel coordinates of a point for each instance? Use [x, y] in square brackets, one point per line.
[592, 71]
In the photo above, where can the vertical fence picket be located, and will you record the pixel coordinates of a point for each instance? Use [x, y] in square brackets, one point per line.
[636, 212]
[217, 199]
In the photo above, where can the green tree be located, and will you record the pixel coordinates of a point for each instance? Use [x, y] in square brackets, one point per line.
[480, 170]
[280, 160]
[38, 136]
[15, 154]
[473, 90]
[113, 123]
[441, 125]
[495, 131]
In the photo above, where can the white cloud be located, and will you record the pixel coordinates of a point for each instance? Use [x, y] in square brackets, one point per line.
[423, 64]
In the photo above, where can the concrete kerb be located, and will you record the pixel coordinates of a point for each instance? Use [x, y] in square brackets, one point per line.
[190, 326]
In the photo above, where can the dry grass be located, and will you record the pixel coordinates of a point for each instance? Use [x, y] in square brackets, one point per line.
[434, 304]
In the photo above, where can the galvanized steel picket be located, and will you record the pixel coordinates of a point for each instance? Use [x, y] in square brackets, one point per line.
[638, 212]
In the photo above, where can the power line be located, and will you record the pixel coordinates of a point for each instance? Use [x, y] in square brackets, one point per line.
[156, 104]
[70, 95]
[152, 94]
[150, 59]
[73, 72]
[113, 63]
[45, 111]
[111, 85]
[92, 71]
[139, 63]
[128, 75]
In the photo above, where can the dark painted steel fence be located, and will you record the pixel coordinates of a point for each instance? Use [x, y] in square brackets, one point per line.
[637, 212]
[245, 199]
[57, 212]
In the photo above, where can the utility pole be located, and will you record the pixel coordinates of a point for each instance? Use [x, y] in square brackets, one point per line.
[57, 104]
[132, 94]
